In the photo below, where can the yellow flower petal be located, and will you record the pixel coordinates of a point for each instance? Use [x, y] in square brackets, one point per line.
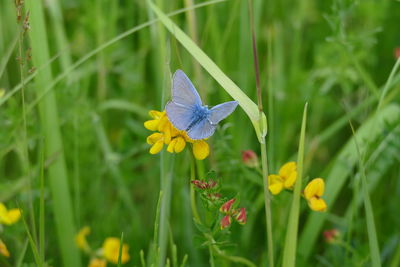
[9, 216]
[317, 204]
[157, 147]
[111, 250]
[180, 144]
[153, 138]
[287, 170]
[314, 188]
[155, 114]
[3, 249]
[14, 215]
[275, 184]
[97, 263]
[290, 180]
[80, 238]
[167, 134]
[200, 149]
[171, 146]
[151, 125]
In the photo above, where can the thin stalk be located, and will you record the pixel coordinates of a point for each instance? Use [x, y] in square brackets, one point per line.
[263, 146]
[166, 187]
[369, 213]
[27, 168]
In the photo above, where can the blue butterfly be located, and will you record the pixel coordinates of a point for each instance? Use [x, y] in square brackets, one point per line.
[186, 111]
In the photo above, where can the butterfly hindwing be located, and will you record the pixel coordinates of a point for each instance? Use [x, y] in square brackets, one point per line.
[221, 111]
[202, 129]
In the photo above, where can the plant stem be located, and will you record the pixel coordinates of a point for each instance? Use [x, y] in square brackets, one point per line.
[267, 202]
[263, 146]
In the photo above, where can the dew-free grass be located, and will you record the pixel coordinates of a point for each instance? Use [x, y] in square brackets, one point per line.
[73, 147]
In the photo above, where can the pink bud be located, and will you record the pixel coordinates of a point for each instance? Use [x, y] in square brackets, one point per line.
[241, 216]
[250, 159]
[331, 235]
[226, 221]
[397, 52]
[226, 207]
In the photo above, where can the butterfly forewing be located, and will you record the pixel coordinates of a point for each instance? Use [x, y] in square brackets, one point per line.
[221, 111]
[179, 115]
[183, 91]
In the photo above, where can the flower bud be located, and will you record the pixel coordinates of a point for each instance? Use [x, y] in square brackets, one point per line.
[241, 216]
[250, 159]
[331, 236]
[226, 207]
[226, 221]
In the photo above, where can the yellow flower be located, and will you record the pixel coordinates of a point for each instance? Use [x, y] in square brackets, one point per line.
[284, 180]
[80, 239]
[201, 150]
[3, 249]
[174, 139]
[313, 193]
[111, 250]
[9, 217]
[95, 262]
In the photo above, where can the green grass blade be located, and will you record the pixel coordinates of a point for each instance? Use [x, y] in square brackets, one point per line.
[121, 243]
[369, 213]
[230, 87]
[58, 177]
[289, 252]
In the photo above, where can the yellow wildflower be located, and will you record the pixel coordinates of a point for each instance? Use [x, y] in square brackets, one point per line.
[284, 180]
[3, 249]
[9, 217]
[111, 248]
[95, 262]
[313, 193]
[174, 139]
[80, 239]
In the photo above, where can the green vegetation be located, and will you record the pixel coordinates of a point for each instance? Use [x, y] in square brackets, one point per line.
[320, 87]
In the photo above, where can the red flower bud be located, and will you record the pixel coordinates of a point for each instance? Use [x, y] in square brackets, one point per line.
[200, 184]
[226, 207]
[331, 235]
[397, 52]
[241, 216]
[250, 159]
[226, 221]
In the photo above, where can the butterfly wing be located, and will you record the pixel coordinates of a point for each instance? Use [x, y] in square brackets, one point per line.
[185, 101]
[202, 129]
[179, 115]
[221, 111]
[183, 91]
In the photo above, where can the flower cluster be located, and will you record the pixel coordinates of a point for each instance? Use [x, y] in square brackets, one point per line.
[108, 252]
[209, 193]
[239, 214]
[7, 217]
[286, 178]
[174, 139]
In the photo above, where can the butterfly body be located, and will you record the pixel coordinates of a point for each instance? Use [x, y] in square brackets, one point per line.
[187, 112]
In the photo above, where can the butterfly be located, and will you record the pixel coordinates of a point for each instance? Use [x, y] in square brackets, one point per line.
[187, 112]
